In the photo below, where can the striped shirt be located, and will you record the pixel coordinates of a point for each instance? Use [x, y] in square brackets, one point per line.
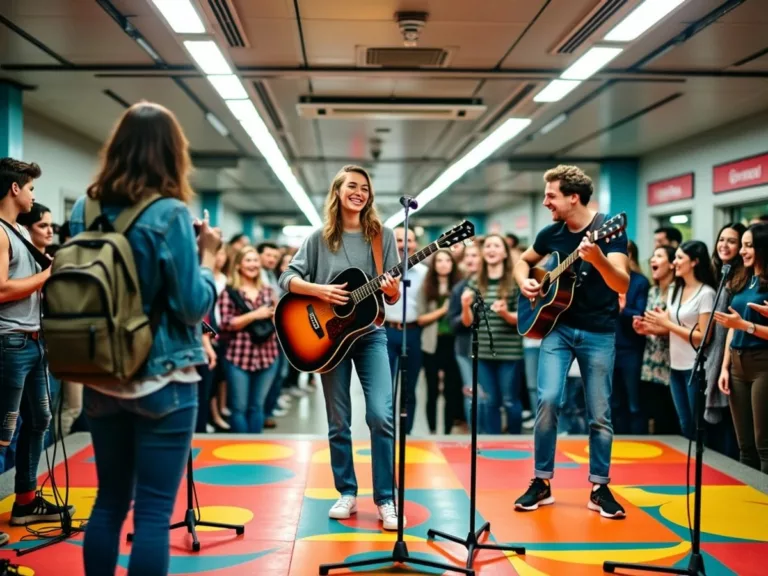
[507, 343]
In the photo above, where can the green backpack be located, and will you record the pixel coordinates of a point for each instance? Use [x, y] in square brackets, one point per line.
[95, 328]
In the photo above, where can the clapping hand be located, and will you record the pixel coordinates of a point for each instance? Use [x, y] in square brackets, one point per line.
[760, 308]
[732, 320]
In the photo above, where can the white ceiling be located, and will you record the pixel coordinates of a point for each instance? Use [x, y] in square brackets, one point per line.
[502, 52]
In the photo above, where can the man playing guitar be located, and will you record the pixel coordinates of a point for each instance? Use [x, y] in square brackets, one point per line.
[586, 331]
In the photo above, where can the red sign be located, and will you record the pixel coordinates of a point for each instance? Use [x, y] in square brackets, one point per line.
[740, 174]
[670, 190]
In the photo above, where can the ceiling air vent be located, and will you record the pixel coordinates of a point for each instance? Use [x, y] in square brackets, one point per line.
[600, 14]
[331, 108]
[403, 57]
[226, 15]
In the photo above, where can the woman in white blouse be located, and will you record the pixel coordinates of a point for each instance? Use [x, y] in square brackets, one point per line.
[689, 307]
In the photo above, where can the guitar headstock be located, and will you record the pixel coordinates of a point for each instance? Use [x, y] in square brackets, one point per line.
[612, 228]
[460, 233]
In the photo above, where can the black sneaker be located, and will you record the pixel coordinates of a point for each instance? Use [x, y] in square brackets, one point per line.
[4, 538]
[538, 494]
[39, 510]
[601, 500]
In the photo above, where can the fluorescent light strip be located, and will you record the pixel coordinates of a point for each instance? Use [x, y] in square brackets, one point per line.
[556, 90]
[553, 124]
[592, 61]
[181, 16]
[498, 138]
[208, 56]
[217, 124]
[228, 86]
[259, 133]
[641, 19]
[297, 231]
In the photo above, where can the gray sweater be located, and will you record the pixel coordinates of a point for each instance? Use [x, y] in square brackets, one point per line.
[314, 262]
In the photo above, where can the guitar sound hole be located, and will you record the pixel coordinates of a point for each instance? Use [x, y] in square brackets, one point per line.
[342, 311]
[545, 284]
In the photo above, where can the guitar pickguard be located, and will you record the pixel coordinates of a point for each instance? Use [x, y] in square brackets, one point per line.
[337, 326]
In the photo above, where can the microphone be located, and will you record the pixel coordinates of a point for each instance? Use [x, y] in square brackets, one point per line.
[409, 202]
[725, 270]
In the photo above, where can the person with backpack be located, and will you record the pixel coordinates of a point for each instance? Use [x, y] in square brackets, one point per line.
[23, 373]
[136, 351]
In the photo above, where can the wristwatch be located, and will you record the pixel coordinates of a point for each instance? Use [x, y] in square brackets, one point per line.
[751, 328]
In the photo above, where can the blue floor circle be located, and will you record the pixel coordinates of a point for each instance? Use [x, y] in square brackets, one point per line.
[408, 567]
[243, 475]
[505, 454]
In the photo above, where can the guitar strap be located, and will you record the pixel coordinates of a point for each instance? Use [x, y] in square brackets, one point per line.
[378, 254]
[585, 267]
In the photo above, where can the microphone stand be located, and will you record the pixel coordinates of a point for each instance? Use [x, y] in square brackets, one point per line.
[191, 521]
[400, 553]
[699, 379]
[472, 541]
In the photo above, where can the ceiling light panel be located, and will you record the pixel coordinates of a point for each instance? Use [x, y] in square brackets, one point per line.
[208, 56]
[556, 90]
[592, 61]
[181, 16]
[228, 86]
[642, 19]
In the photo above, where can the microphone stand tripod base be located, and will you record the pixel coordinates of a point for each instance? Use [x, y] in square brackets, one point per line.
[190, 521]
[472, 541]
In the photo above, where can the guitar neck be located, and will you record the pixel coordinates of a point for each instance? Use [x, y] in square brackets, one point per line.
[375, 285]
[564, 265]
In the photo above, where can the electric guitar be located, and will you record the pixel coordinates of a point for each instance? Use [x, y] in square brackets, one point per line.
[537, 317]
[316, 335]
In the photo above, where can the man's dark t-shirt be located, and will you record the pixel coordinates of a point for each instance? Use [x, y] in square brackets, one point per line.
[595, 306]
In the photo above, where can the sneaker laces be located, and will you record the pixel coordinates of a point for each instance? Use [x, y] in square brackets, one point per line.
[344, 502]
[387, 509]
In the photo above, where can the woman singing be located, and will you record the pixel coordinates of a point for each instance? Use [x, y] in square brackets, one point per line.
[744, 375]
[345, 241]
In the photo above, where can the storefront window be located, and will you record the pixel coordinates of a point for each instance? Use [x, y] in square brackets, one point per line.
[745, 214]
[680, 221]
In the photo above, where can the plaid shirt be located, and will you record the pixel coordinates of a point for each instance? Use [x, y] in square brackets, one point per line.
[241, 351]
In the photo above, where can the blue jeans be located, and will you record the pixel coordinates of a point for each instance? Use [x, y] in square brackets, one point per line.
[595, 353]
[141, 448]
[413, 349]
[465, 369]
[531, 363]
[500, 380]
[247, 392]
[276, 387]
[626, 407]
[372, 365]
[23, 390]
[684, 398]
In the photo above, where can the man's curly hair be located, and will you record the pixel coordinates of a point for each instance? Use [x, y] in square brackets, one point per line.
[572, 181]
[16, 171]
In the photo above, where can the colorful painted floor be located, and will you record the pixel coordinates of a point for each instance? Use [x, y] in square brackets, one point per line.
[282, 489]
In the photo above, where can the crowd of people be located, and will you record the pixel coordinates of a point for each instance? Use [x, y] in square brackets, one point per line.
[237, 379]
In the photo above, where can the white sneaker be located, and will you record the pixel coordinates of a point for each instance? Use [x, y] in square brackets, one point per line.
[388, 515]
[279, 412]
[344, 508]
[284, 401]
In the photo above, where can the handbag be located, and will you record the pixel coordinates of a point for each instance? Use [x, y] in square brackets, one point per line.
[259, 330]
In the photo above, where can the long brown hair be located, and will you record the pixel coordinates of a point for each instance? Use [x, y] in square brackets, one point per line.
[146, 150]
[236, 281]
[431, 281]
[334, 224]
[506, 282]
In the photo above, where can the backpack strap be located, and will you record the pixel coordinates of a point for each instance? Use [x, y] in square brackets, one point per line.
[378, 253]
[586, 267]
[128, 216]
[42, 260]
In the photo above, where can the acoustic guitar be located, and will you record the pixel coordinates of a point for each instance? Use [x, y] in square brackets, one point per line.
[316, 336]
[537, 317]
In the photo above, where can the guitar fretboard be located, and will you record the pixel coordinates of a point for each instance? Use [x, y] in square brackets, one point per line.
[564, 265]
[374, 285]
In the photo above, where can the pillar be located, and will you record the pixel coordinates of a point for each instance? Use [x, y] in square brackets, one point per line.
[619, 185]
[11, 121]
[249, 224]
[211, 201]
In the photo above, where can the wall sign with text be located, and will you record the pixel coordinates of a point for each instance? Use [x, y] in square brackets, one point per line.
[670, 190]
[740, 174]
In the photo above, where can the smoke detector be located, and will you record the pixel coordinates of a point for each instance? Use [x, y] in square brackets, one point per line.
[410, 24]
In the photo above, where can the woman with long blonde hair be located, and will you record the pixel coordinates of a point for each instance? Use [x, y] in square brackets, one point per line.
[346, 240]
[251, 355]
[142, 431]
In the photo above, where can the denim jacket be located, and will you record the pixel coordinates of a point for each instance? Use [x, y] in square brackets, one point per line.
[166, 256]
